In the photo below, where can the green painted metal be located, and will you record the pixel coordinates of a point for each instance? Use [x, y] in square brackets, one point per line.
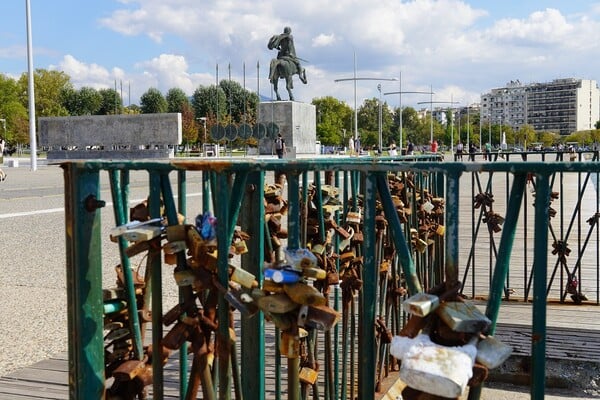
[227, 184]
[119, 196]
[84, 295]
[156, 281]
[253, 329]
[503, 261]
[540, 268]
[222, 208]
[366, 337]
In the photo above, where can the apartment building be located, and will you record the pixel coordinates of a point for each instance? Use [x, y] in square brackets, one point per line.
[562, 106]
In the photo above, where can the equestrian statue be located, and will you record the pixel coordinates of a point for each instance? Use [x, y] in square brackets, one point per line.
[286, 64]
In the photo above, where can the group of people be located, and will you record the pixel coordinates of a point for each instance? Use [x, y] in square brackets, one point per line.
[487, 154]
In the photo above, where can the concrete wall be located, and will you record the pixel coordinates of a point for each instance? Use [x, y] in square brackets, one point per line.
[112, 136]
[297, 125]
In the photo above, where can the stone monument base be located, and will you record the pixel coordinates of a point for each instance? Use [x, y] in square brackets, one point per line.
[297, 125]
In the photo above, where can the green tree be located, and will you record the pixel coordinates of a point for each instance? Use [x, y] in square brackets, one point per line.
[189, 126]
[153, 102]
[48, 86]
[525, 135]
[368, 121]
[549, 138]
[13, 111]
[85, 101]
[176, 100]
[241, 104]
[334, 121]
[111, 102]
[210, 101]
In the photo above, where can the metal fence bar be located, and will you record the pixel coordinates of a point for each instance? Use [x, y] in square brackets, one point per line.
[84, 294]
[540, 267]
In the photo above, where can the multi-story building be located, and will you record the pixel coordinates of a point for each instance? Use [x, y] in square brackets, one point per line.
[563, 106]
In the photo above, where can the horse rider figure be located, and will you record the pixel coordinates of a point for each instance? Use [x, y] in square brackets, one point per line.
[284, 43]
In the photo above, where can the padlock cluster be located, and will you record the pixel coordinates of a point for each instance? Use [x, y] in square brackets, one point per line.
[429, 215]
[127, 376]
[485, 200]
[444, 346]
[294, 291]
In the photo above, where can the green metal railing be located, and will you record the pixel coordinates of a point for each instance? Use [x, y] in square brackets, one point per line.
[234, 190]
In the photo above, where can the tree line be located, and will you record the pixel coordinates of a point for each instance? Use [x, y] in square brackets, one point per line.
[230, 103]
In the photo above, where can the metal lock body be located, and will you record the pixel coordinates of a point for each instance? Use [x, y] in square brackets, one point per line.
[302, 293]
[289, 346]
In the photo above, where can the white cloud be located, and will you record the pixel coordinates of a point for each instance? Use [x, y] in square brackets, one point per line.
[323, 40]
[541, 27]
[82, 74]
[453, 45]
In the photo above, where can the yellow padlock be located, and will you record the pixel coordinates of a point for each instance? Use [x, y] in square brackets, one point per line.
[441, 229]
[314, 273]
[302, 293]
[308, 375]
[240, 247]
[272, 287]
[243, 277]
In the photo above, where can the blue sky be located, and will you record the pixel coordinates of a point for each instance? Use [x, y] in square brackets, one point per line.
[460, 49]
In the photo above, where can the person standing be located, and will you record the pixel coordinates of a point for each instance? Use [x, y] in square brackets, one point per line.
[2, 145]
[434, 146]
[280, 146]
[393, 151]
[459, 151]
[351, 146]
[488, 151]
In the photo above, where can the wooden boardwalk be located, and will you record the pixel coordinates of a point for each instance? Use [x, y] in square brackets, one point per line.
[573, 334]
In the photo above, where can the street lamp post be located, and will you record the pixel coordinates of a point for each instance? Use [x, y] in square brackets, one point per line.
[431, 105]
[354, 79]
[379, 118]
[203, 120]
[400, 93]
[32, 134]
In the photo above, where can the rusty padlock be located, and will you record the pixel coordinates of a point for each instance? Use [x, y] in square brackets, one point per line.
[276, 303]
[282, 321]
[128, 370]
[175, 338]
[321, 317]
[302, 293]
[272, 287]
[289, 346]
[184, 277]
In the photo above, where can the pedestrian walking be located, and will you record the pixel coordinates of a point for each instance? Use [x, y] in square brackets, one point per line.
[280, 146]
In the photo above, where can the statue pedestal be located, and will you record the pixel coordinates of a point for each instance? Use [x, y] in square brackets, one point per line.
[297, 125]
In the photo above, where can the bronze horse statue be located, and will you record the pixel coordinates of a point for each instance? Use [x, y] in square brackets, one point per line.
[287, 64]
[286, 69]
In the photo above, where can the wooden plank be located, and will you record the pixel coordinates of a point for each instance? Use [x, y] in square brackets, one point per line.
[48, 378]
[31, 390]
